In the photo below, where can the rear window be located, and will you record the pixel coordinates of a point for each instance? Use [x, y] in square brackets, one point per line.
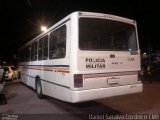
[101, 34]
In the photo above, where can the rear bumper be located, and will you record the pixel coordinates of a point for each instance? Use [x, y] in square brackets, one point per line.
[86, 95]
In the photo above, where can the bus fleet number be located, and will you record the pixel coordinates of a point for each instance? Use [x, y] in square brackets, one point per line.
[131, 59]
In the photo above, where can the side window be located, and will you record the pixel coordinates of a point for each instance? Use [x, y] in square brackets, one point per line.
[34, 51]
[57, 42]
[43, 48]
[28, 53]
[40, 49]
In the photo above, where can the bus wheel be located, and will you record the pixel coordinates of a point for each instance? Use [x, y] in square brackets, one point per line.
[39, 89]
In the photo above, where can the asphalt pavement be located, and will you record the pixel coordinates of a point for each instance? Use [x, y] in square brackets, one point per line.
[23, 101]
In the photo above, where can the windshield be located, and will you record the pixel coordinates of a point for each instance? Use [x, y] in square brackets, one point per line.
[101, 34]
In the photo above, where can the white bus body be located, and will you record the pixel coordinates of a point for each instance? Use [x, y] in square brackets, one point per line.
[83, 57]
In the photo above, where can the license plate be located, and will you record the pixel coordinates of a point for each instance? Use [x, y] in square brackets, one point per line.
[113, 81]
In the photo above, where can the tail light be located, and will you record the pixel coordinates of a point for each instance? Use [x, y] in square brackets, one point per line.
[78, 80]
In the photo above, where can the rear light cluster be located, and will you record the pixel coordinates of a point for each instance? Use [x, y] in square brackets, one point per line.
[78, 80]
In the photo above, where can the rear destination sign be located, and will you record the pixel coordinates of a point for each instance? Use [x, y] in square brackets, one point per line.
[95, 63]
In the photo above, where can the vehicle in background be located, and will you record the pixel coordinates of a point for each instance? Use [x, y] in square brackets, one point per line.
[152, 61]
[11, 73]
[1, 72]
[150, 66]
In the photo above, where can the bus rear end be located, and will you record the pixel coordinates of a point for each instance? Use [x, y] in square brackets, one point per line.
[106, 57]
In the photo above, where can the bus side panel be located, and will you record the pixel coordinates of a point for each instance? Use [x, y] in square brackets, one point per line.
[23, 79]
[56, 74]
[36, 70]
[59, 75]
[25, 73]
[58, 90]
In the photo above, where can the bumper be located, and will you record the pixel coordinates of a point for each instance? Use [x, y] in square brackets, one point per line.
[86, 95]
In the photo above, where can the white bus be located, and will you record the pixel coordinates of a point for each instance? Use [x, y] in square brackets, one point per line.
[85, 56]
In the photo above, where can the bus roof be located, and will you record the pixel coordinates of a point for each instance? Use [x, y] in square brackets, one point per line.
[82, 14]
[107, 16]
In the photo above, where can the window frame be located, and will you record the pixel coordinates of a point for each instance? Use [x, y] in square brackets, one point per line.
[61, 42]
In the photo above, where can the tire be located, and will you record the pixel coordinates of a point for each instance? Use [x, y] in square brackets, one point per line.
[39, 89]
